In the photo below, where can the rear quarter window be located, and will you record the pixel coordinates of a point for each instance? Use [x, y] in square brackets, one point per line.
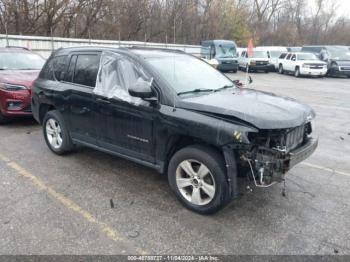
[55, 68]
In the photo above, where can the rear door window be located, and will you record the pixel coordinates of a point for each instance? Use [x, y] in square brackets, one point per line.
[86, 68]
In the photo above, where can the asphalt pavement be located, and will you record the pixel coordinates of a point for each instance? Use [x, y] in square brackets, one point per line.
[89, 202]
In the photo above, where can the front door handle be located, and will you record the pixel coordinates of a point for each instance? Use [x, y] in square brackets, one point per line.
[103, 100]
[80, 111]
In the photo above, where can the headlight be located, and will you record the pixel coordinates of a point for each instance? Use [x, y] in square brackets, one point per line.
[313, 125]
[12, 87]
[306, 66]
[252, 62]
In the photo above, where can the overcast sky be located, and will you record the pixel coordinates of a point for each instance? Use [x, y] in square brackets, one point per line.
[343, 7]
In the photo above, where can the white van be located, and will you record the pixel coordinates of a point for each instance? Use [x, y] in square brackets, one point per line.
[273, 53]
[259, 61]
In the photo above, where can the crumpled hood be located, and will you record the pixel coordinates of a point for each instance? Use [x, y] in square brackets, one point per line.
[260, 109]
[19, 77]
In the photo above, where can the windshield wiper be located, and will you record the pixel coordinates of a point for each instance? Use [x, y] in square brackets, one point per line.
[224, 87]
[198, 90]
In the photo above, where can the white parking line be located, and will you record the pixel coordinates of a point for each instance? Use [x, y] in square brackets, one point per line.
[326, 169]
[110, 232]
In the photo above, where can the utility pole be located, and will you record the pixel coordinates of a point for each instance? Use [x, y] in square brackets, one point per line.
[52, 43]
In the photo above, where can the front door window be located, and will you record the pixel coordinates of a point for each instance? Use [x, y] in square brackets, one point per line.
[116, 75]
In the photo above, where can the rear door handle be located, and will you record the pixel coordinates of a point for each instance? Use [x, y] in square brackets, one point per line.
[103, 100]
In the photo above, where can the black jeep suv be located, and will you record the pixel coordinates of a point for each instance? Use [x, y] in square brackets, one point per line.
[175, 113]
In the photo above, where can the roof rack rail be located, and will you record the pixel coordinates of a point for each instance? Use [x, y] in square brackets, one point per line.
[19, 47]
[156, 48]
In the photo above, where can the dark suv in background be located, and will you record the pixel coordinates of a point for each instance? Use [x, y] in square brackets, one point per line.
[336, 57]
[175, 113]
[19, 67]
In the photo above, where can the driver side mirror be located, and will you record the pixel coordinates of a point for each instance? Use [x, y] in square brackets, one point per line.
[142, 89]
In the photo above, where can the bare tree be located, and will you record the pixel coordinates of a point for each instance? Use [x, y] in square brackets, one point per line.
[269, 22]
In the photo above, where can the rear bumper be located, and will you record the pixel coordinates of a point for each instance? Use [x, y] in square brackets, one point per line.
[35, 109]
[15, 103]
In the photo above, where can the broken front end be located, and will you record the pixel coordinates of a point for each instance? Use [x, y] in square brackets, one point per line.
[272, 153]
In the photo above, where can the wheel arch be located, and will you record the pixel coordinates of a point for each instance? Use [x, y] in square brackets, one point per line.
[43, 109]
[178, 142]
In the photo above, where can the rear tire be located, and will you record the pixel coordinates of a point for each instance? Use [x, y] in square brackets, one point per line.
[56, 133]
[197, 176]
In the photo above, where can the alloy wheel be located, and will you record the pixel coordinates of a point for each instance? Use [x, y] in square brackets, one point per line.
[54, 133]
[195, 182]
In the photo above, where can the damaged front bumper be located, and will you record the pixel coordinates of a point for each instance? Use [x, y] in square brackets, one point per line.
[265, 166]
[268, 166]
[300, 154]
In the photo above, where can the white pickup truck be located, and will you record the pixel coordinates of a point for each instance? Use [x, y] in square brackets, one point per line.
[301, 64]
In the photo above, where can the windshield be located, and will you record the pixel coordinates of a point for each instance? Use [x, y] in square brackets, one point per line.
[185, 73]
[275, 54]
[226, 51]
[307, 56]
[20, 61]
[260, 54]
[339, 53]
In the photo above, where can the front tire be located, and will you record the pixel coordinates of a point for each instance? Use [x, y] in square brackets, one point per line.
[56, 133]
[3, 119]
[196, 174]
[297, 72]
[280, 69]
